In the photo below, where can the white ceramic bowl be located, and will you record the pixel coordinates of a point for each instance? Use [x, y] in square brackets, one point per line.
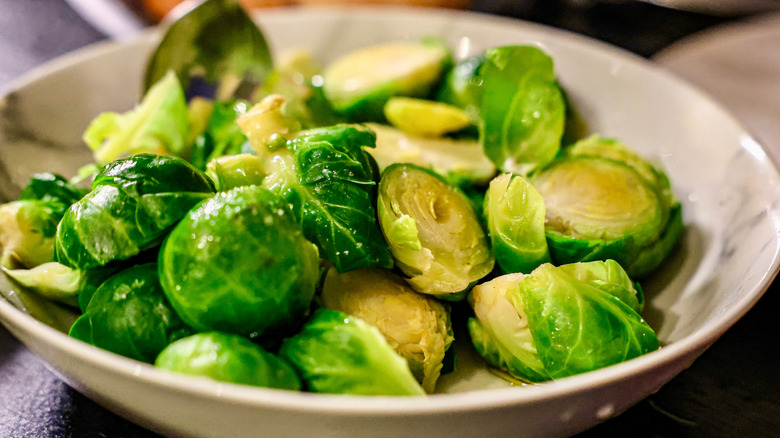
[729, 255]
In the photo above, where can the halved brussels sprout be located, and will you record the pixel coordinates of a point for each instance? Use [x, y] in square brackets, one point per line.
[455, 159]
[228, 358]
[133, 203]
[129, 315]
[359, 83]
[433, 232]
[425, 118]
[559, 321]
[340, 354]
[515, 213]
[603, 201]
[238, 263]
[416, 326]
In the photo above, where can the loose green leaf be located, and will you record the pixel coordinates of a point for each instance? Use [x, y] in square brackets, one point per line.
[522, 109]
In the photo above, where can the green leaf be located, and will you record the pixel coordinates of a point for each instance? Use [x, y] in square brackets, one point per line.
[329, 181]
[159, 124]
[522, 109]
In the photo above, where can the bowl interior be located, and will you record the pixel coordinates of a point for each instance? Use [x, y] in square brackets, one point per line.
[728, 187]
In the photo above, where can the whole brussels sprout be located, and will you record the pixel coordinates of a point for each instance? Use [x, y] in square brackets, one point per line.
[129, 315]
[417, 326]
[433, 232]
[340, 354]
[238, 263]
[133, 203]
[559, 321]
[228, 358]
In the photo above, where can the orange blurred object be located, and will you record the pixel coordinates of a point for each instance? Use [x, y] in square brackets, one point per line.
[158, 8]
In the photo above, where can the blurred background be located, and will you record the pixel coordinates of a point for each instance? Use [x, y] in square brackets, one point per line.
[729, 48]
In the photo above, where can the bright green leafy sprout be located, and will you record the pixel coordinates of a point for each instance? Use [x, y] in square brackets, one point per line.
[159, 125]
[238, 263]
[340, 354]
[133, 203]
[433, 232]
[559, 321]
[129, 315]
[359, 83]
[228, 358]
[329, 180]
[416, 326]
[460, 159]
[515, 212]
[233, 171]
[222, 136]
[522, 110]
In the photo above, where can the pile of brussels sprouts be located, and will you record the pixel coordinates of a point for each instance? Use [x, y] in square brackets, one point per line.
[332, 231]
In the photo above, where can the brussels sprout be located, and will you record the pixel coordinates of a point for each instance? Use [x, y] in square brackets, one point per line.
[238, 263]
[433, 232]
[360, 83]
[515, 212]
[233, 171]
[159, 124]
[329, 180]
[455, 159]
[221, 136]
[341, 354]
[416, 326]
[521, 109]
[27, 230]
[648, 257]
[559, 321]
[425, 118]
[598, 208]
[227, 358]
[133, 203]
[129, 315]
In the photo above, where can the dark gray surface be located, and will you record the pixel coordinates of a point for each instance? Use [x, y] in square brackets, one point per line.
[732, 390]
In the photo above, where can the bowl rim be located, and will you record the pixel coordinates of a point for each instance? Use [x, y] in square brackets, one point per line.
[687, 348]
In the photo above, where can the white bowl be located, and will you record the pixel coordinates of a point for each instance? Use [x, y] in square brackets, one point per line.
[729, 255]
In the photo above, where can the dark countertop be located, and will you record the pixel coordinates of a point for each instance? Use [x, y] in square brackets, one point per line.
[733, 389]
